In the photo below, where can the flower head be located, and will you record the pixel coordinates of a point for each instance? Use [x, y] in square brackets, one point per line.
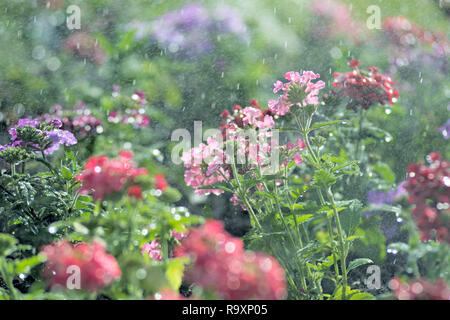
[365, 88]
[300, 90]
[102, 176]
[220, 264]
[39, 136]
[97, 268]
[428, 185]
[153, 249]
[160, 182]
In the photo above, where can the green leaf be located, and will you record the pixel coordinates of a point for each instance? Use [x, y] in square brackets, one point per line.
[357, 263]
[362, 296]
[126, 41]
[66, 173]
[174, 272]
[351, 217]
[304, 218]
[385, 172]
[171, 195]
[6, 242]
[338, 293]
[323, 178]
[218, 185]
[329, 123]
[25, 265]
[344, 165]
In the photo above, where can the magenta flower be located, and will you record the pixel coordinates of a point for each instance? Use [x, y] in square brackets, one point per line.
[300, 91]
[152, 249]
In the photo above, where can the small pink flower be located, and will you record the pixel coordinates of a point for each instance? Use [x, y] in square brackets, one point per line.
[290, 146]
[152, 249]
[298, 158]
[277, 86]
[179, 235]
[301, 144]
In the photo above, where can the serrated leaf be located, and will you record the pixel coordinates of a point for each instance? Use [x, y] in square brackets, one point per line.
[66, 173]
[174, 273]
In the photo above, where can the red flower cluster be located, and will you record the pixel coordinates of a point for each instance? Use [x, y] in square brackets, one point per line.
[102, 176]
[428, 186]
[97, 268]
[160, 182]
[221, 264]
[365, 88]
[420, 290]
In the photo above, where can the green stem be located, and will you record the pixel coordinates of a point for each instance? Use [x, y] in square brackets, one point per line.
[330, 231]
[358, 141]
[341, 242]
[297, 229]
[305, 130]
[283, 221]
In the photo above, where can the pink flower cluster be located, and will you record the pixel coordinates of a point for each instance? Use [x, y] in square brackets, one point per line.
[428, 186]
[249, 117]
[205, 166]
[79, 120]
[244, 137]
[153, 249]
[102, 176]
[134, 115]
[221, 265]
[247, 129]
[420, 290]
[299, 90]
[365, 88]
[290, 152]
[335, 19]
[97, 268]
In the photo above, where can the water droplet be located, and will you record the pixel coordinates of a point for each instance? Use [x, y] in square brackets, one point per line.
[52, 229]
[141, 274]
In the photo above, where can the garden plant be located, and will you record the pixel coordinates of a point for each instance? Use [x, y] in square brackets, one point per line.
[149, 151]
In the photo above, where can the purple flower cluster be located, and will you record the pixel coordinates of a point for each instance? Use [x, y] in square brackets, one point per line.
[45, 137]
[445, 129]
[377, 199]
[190, 29]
